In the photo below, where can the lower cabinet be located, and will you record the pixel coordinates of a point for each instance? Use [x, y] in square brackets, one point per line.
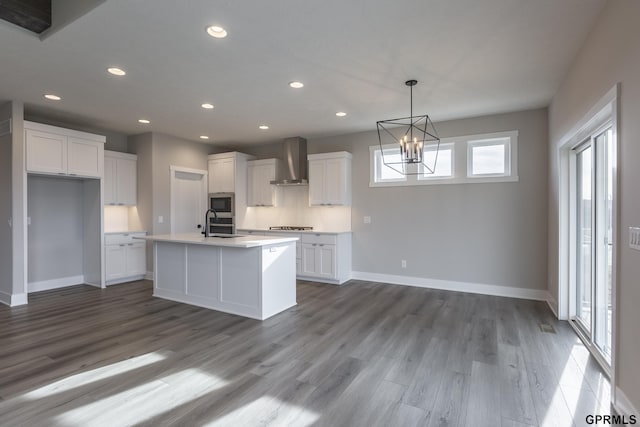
[125, 258]
[320, 257]
[325, 257]
[319, 260]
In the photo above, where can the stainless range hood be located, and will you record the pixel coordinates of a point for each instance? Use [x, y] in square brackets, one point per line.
[295, 162]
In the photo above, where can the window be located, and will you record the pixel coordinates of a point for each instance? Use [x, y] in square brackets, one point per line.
[443, 162]
[385, 173]
[460, 160]
[488, 157]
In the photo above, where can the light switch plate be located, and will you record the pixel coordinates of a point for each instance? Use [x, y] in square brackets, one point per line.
[634, 238]
[367, 220]
[160, 219]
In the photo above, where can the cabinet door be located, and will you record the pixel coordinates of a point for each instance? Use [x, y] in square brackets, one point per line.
[115, 265]
[228, 175]
[316, 182]
[136, 259]
[266, 173]
[309, 260]
[221, 175]
[326, 261]
[126, 182]
[46, 152]
[83, 158]
[335, 182]
[252, 186]
[110, 177]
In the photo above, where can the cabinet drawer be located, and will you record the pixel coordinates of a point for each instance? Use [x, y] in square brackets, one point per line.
[325, 239]
[123, 238]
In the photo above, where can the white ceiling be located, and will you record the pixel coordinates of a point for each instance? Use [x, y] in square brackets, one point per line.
[471, 58]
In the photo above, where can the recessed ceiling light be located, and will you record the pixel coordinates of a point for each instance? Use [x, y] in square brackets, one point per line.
[216, 31]
[263, 127]
[116, 71]
[144, 121]
[296, 85]
[204, 137]
[341, 114]
[52, 97]
[207, 106]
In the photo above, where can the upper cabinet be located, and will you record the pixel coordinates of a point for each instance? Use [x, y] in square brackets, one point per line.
[120, 178]
[260, 173]
[224, 171]
[57, 151]
[330, 179]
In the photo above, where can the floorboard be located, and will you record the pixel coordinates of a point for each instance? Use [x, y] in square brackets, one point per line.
[362, 354]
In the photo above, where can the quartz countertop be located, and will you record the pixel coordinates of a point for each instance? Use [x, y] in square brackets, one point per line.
[125, 232]
[264, 230]
[230, 242]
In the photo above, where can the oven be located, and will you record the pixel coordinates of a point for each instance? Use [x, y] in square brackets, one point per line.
[224, 220]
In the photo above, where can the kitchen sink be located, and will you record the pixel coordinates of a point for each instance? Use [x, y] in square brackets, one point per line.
[225, 236]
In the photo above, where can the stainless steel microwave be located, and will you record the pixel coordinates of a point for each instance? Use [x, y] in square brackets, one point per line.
[222, 203]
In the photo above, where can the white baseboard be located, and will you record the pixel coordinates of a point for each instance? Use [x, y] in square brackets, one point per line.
[63, 282]
[448, 285]
[553, 305]
[13, 300]
[623, 405]
[149, 275]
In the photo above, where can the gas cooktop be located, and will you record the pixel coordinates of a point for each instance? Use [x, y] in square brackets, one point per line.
[290, 228]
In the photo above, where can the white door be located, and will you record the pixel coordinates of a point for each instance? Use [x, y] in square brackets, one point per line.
[188, 200]
[83, 158]
[316, 182]
[127, 182]
[136, 259]
[116, 260]
[110, 185]
[46, 152]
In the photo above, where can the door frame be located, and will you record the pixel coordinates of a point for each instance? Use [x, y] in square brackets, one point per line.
[606, 110]
[205, 192]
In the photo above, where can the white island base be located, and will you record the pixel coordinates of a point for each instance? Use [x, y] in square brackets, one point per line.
[227, 275]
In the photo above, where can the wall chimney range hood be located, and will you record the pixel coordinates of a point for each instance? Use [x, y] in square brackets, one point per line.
[295, 162]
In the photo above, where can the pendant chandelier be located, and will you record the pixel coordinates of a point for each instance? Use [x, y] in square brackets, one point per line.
[409, 136]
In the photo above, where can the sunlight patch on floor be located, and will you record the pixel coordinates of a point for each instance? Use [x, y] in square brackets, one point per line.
[270, 411]
[143, 402]
[94, 375]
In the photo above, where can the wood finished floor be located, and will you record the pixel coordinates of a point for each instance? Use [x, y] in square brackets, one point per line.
[363, 354]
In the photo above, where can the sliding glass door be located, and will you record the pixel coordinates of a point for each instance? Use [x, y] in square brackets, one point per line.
[593, 242]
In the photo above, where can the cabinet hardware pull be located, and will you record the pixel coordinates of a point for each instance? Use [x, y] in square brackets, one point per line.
[322, 244]
[122, 245]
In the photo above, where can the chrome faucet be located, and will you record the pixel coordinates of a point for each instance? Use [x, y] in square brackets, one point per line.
[206, 221]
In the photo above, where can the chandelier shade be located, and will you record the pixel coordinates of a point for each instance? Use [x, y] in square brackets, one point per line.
[403, 142]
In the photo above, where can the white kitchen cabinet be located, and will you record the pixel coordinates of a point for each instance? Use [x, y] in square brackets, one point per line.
[260, 191]
[120, 178]
[58, 151]
[319, 260]
[330, 179]
[125, 257]
[325, 257]
[283, 234]
[222, 175]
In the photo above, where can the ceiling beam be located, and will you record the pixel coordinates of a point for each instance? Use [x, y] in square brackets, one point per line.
[34, 15]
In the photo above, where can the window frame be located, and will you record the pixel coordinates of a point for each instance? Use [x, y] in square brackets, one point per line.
[460, 163]
[428, 177]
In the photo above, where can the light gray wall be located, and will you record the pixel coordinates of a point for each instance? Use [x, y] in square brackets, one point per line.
[478, 233]
[156, 153]
[115, 141]
[55, 238]
[611, 54]
[171, 151]
[6, 241]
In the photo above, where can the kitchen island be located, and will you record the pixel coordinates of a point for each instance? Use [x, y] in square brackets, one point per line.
[251, 276]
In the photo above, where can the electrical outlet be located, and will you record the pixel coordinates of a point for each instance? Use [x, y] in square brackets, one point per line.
[160, 219]
[367, 220]
[404, 263]
[28, 220]
[634, 238]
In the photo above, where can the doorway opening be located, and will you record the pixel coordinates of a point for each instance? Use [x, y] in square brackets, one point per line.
[188, 199]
